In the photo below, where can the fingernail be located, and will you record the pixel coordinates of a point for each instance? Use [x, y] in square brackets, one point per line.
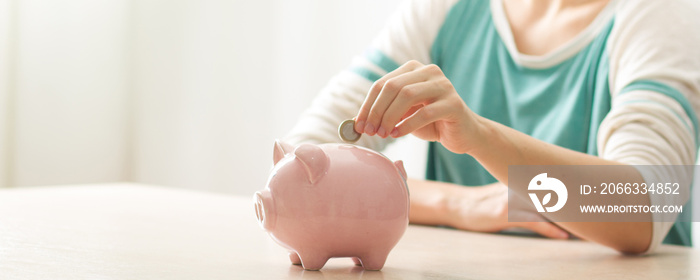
[394, 132]
[381, 132]
[563, 235]
[369, 129]
[360, 126]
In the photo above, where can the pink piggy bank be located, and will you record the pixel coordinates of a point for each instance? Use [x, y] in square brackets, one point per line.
[334, 200]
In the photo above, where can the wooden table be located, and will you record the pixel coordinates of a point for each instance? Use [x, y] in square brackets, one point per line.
[129, 231]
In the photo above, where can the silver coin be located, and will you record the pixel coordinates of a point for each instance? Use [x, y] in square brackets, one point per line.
[347, 132]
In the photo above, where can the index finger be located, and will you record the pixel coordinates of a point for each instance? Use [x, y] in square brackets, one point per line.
[362, 115]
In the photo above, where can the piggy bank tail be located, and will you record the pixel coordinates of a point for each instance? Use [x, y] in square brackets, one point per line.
[402, 171]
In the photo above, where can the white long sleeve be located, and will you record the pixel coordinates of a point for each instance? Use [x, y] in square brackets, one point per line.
[654, 41]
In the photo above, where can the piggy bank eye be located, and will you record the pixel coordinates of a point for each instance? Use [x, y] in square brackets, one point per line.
[539, 183]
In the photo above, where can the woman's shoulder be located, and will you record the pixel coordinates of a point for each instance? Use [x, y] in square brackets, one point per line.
[658, 41]
[655, 11]
[654, 24]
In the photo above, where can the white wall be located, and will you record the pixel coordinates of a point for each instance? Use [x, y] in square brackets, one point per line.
[217, 81]
[68, 111]
[5, 27]
[181, 93]
[200, 70]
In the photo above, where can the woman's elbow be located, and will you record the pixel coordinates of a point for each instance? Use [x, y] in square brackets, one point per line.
[631, 239]
[632, 248]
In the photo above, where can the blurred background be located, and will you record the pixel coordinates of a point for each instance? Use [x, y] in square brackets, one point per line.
[181, 93]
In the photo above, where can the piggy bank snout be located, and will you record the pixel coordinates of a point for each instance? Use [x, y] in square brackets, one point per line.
[263, 209]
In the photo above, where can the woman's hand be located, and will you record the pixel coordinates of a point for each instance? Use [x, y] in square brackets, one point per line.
[488, 212]
[419, 99]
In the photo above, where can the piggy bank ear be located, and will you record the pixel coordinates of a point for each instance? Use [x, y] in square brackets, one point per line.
[281, 150]
[314, 160]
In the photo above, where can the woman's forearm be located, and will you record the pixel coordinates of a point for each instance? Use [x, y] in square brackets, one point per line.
[437, 203]
[482, 208]
[428, 202]
[506, 146]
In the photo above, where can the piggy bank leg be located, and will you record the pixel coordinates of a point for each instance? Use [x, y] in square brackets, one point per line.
[312, 261]
[356, 261]
[374, 261]
[294, 257]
